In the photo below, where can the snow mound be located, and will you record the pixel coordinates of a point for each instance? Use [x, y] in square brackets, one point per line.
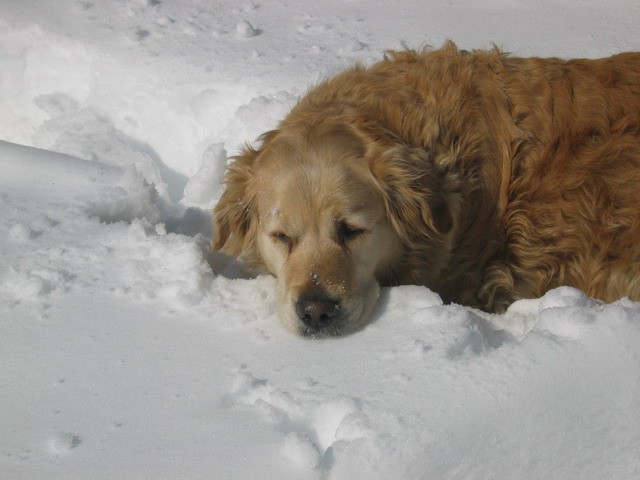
[245, 30]
[95, 194]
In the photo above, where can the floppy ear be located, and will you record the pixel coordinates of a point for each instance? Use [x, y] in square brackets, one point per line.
[234, 214]
[421, 200]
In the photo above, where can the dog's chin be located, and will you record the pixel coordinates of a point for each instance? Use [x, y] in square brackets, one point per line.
[355, 314]
[335, 329]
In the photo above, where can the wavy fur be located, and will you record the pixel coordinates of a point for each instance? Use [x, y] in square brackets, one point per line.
[501, 177]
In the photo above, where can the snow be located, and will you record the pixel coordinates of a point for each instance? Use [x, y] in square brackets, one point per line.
[126, 353]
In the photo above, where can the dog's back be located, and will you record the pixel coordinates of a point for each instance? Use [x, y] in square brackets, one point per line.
[554, 147]
[572, 213]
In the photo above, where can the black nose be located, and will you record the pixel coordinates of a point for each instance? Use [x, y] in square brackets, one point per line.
[316, 310]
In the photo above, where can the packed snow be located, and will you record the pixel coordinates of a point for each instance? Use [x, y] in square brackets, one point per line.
[128, 352]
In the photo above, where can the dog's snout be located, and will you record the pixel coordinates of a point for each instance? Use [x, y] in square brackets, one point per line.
[316, 311]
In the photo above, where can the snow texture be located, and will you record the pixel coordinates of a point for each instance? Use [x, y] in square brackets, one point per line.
[128, 352]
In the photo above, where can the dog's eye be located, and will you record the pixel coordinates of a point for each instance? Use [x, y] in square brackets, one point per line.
[348, 232]
[281, 238]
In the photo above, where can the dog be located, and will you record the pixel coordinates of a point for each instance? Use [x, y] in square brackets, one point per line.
[485, 177]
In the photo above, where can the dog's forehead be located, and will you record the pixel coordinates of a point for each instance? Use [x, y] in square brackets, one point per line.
[317, 180]
[323, 144]
[313, 188]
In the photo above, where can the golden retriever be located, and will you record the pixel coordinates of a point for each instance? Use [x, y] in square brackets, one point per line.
[485, 177]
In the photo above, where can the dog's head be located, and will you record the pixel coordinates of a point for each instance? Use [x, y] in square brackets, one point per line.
[333, 215]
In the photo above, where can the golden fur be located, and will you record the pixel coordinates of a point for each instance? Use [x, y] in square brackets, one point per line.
[485, 177]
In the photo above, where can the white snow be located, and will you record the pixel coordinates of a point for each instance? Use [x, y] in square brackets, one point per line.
[123, 354]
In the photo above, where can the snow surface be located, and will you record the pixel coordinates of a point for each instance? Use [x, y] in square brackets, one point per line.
[125, 355]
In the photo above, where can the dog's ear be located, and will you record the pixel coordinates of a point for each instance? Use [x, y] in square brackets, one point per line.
[234, 215]
[421, 200]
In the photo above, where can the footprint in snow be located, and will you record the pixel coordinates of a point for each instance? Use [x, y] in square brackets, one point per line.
[310, 425]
